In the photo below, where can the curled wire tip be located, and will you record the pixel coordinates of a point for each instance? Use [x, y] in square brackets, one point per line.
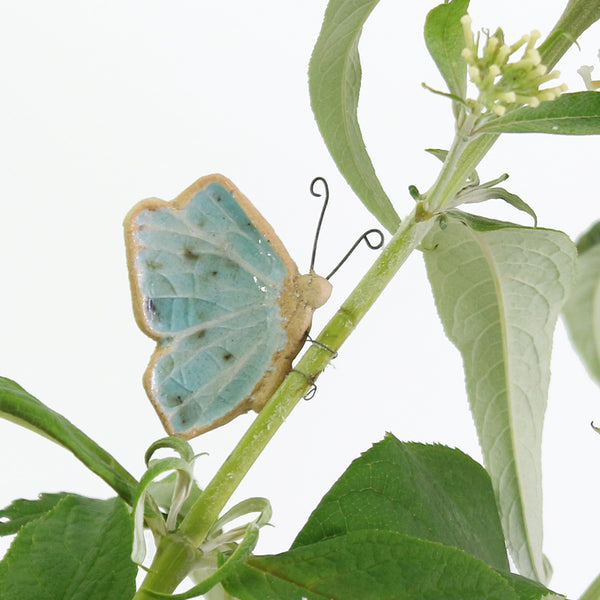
[317, 194]
[311, 393]
[313, 386]
[365, 236]
[376, 245]
[370, 244]
[313, 184]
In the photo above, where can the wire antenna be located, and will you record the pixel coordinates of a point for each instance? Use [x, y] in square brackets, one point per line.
[313, 191]
[364, 236]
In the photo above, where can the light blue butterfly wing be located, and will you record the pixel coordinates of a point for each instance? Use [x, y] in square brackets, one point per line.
[208, 277]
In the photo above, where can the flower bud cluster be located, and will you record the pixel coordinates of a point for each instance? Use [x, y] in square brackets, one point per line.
[503, 84]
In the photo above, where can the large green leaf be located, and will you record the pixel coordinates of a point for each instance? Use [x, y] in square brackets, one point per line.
[445, 41]
[21, 512]
[369, 565]
[582, 310]
[79, 550]
[569, 114]
[334, 83]
[372, 565]
[427, 491]
[499, 289]
[21, 407]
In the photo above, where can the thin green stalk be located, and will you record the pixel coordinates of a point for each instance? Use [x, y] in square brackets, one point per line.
[450, 178]
[593, 592]
[173, 559]
[463, 157]
[576, 18]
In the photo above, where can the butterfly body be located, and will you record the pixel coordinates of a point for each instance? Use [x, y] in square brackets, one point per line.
[216, 289]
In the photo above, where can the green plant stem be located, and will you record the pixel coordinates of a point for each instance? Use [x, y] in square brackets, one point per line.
[463, 156]
[173, 560]
[593, 591]
[450, 179]
[576, 18]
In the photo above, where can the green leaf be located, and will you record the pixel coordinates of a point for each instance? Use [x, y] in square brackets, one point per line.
[181, 447]
[582, 310]
[334, 85]
[590, 239]
[512, 199]
[77, 551]
[569, 114]
[530, 590]
[425, 491]
[183, 480]
[21, 512]
[445, 41]
[19, 406]
[499, 289]
[162, 492]
[438, 153]
[472, 179]
[481, 192]
[371, 565]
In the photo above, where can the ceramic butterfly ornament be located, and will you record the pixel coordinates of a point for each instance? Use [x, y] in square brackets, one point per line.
[217, 290]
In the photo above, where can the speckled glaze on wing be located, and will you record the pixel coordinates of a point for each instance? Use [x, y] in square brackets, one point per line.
[214, 286]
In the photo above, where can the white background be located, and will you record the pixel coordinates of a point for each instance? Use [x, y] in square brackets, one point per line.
[106, 103]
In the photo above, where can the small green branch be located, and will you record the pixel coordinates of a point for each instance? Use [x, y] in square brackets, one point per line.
[19, 406]
[173, 560]
[593, 592]
[576, 18]
[462, 159]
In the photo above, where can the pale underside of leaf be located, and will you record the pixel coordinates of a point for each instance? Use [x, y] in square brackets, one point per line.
[582, 311]
[499, 291]
[334, 81]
